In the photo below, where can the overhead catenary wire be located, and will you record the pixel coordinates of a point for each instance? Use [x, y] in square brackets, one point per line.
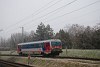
[37, 12]
[51, 11]
[81, 16]
[47, 7]
[72, 11]
[75, 10]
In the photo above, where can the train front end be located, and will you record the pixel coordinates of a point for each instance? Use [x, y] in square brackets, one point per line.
[56, 47]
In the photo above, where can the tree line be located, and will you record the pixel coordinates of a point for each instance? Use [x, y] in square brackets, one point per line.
[73, 37]
[80, 37]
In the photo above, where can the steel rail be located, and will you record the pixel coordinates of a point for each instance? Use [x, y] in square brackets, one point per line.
[13, 64]
[58, 57]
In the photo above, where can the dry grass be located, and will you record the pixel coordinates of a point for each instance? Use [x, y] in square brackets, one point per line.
[40, 62]
[9, 52]
[81, 53]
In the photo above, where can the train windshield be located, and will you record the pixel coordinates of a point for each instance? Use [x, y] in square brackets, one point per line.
[56, 43]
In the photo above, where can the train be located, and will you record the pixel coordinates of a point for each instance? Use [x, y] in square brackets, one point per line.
[46, 47]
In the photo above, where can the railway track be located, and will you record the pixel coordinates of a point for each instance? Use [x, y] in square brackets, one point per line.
[58, 57]
[4, 63]
[93, 59]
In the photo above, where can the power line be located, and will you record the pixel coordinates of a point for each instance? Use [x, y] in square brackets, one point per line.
[75, 10]
[82, 15]
[48, 7]
[52, 11]
[36, 11]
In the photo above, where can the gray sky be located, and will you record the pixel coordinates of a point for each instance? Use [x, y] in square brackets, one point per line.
[29, 13]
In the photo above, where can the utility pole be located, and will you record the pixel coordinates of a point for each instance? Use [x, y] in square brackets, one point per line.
[22, 34]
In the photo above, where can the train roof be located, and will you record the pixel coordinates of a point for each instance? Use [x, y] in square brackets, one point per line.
[39, 41]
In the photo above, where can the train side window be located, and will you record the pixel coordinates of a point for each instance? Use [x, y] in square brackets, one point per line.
[42, 44]
[37, 45]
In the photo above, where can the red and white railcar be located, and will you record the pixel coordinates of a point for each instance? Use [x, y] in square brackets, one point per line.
[46, 47]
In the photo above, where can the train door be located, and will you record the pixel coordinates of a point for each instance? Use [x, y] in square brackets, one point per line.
[47, 46]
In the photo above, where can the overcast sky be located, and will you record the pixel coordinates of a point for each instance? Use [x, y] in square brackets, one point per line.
[58, 13]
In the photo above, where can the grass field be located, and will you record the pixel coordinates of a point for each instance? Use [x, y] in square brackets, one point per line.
[70, 53]
[81, 53]
[8, 52]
